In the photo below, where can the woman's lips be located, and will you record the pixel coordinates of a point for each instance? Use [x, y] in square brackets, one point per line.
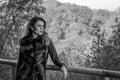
[41, 31]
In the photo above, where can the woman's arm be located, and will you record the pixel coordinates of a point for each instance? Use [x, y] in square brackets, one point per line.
[22, 67]
[53, 54]
[21, 57]
[55, 59]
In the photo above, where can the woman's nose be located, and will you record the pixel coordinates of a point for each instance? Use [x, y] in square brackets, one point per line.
[41, 28]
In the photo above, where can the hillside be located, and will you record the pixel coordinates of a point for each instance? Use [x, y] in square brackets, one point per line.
[73, 27]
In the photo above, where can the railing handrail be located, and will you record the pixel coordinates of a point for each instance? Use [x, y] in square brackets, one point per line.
[91, 71]
[100, 72]
[8, 62]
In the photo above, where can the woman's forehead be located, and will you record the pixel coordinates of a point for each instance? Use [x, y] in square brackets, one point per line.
[40, 22]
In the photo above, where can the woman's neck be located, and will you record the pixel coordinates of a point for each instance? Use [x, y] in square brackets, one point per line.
[35, 35]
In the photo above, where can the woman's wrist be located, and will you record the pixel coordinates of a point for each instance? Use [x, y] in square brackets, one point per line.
[64, 66]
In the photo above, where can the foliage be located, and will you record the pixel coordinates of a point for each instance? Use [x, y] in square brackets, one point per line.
[74, 30]
[105, 53]
[14, 15]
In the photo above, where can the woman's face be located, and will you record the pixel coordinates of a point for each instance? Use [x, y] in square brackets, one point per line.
[39, 29]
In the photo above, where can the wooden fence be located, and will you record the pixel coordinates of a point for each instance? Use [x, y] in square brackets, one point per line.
[91, 71]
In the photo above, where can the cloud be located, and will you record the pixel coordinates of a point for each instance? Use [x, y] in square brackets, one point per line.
[96, 4]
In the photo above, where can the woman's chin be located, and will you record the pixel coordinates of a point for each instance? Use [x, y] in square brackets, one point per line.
[39, 33]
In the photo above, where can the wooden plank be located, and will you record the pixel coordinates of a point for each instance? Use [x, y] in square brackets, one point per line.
[8, 62]
[13, 72]
[91, 71]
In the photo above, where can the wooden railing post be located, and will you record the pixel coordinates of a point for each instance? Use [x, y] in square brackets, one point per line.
[12, 63]
[13, 72]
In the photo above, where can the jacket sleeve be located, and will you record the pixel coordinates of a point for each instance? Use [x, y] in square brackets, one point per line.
[53, 54]
[22, 67]
[20, 58]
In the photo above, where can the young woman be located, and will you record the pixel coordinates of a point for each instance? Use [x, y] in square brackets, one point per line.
[34, 50]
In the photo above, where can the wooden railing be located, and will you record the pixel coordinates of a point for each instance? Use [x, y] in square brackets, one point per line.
[99, 72]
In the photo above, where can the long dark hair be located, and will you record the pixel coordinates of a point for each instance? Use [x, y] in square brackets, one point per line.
[32, 23]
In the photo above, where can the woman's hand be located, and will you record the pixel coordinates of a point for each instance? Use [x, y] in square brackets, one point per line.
[64, 70]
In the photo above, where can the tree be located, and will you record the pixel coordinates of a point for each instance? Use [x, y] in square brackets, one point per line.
[13, 16]
[106, 52]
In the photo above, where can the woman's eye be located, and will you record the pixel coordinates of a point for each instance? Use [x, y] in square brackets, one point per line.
[40, 25]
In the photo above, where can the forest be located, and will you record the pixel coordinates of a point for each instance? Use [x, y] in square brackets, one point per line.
[83, 37]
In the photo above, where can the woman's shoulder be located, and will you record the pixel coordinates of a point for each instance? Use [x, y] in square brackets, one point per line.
[50, 41]
[25, 40]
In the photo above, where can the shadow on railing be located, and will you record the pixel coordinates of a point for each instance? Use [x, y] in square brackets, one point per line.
[99, 72]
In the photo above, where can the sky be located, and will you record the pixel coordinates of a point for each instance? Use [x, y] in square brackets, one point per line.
[111, 5]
